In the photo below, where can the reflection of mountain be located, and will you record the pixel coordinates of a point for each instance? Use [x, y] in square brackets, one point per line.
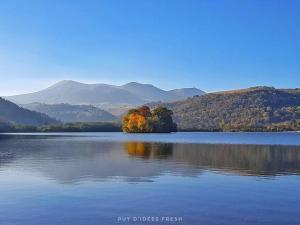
[70, 159]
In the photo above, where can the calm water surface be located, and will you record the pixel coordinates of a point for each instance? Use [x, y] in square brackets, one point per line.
[114, 178]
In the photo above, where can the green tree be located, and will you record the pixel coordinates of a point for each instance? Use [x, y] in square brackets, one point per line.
[162, 121]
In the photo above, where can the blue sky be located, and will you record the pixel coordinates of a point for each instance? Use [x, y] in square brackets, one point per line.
[212, 45]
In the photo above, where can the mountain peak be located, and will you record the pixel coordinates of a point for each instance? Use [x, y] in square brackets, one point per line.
[136, 84]
[65, 82]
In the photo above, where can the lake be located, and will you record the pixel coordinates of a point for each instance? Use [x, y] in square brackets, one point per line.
[181, 178]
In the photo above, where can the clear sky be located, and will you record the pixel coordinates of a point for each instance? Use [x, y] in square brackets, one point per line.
[211, 45]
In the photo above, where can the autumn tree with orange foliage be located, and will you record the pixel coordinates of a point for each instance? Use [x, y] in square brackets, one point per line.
[143, 120]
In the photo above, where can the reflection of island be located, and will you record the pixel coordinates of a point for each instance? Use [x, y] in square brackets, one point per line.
[148, 150]
[71, 159]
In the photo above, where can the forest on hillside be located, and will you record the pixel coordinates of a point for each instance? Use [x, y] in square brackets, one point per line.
[253, 109]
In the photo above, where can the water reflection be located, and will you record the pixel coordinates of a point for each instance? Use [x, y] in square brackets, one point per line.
[250, 159]
[149, 150]
[71, 159]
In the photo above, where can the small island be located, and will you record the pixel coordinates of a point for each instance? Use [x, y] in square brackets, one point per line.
[144, 120]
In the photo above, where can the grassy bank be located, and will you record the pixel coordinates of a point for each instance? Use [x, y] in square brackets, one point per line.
[116, 127]
[66, 127]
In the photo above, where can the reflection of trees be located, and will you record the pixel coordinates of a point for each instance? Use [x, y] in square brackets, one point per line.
[149, 150]
[250, 159]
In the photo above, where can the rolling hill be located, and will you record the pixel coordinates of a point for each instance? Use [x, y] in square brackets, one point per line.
[11, 113]
[75, 93]
[72, 113]
[258, 108]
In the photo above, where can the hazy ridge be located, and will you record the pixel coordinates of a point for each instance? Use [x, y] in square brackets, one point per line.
[11, 113]
[72, 113]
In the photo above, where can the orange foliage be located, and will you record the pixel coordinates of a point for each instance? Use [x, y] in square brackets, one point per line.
[137, 149]
[136, 122]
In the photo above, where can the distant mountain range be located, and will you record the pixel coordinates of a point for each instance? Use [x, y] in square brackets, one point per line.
[258, 108]
[75, 93]
[72, 113]
[11, 113]
[252, 109]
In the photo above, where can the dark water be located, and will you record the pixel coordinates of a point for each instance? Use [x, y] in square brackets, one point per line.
[194, 178]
